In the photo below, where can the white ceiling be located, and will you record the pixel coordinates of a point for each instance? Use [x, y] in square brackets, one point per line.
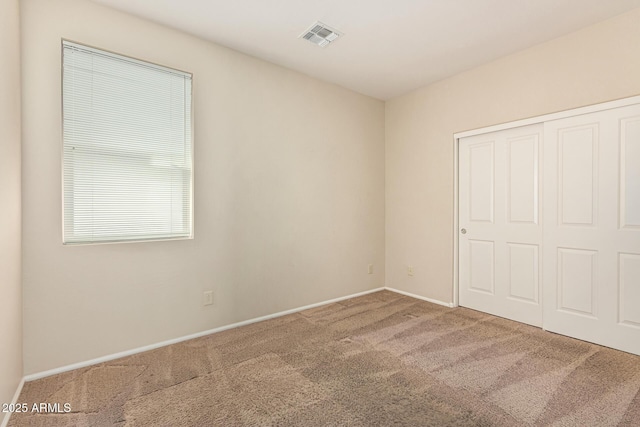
[389, 47]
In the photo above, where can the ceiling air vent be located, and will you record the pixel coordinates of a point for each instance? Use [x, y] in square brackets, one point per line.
[320, 34]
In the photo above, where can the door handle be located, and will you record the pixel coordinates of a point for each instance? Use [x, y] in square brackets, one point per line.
[463, 231]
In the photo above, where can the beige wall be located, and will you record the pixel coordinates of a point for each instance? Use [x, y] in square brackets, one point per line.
[10, 227]
[599, 63]
[289, 197]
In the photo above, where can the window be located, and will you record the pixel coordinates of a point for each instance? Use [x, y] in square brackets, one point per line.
[127, 148]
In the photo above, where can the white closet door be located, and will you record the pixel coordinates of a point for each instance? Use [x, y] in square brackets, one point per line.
[592, 227]
[500, 233]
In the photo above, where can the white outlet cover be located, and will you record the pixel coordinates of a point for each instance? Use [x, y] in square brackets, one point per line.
[207, 298]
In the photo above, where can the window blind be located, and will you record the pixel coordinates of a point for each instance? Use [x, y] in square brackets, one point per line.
[127, 148]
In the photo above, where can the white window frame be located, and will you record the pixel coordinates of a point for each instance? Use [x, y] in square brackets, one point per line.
[190, 124]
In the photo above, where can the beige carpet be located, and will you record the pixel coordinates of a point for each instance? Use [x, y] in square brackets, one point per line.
[377, 360]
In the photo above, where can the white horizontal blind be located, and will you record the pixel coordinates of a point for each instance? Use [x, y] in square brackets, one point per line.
[127, 148]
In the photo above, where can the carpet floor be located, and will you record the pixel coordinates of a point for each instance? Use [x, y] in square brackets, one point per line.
[378, 360]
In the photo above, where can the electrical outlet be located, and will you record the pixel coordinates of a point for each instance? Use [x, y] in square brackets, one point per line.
[410, 270]
[207, 298]
[370, 269]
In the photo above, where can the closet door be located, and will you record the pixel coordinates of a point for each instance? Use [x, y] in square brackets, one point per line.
[592, 227]
[499, 214]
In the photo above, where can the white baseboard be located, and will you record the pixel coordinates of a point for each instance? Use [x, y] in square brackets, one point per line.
[6, 417]
[434, 301]
[110, 357]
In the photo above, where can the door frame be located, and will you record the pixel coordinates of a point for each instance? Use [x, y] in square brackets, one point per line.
[623, 102]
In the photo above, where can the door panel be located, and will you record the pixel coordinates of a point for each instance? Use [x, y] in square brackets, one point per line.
[523, 272]
[522, 179]
[481, 182]
[577, 172]
[481, 265]
[629, 286]
[630, 173]
[591, 257]
[577, 284]
[499, 210]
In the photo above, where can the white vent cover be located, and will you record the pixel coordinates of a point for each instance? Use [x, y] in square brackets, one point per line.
[320, 34]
